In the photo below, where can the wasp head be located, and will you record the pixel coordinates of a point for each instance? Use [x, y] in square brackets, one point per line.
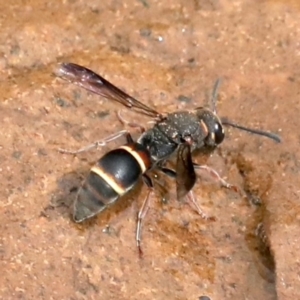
[212, 126]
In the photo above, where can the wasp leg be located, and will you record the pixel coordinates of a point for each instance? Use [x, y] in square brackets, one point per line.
[97, 144]
[169, 172]
[190, 196]
[143, 211]
[130, 124]
[260, 232]
[216, 175]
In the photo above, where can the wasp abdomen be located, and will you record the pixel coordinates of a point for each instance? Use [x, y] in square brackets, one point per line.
[113, 175]
[94, 195]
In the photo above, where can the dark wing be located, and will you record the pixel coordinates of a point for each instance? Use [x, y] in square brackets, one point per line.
[185, 173]
[93, 82]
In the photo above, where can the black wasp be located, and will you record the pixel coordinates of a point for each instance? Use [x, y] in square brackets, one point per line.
[120, 169]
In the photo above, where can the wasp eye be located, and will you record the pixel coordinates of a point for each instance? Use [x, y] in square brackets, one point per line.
[219, 133]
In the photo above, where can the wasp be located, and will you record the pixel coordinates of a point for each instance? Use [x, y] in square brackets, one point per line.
[118, 171]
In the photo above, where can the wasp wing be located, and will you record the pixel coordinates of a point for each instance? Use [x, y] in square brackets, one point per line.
[93, 82]
[185, 173]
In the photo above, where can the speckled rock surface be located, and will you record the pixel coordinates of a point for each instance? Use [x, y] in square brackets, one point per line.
[168, 55]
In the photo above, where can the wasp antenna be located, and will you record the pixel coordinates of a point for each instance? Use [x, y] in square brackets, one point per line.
[215, 95]
[269, 135]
